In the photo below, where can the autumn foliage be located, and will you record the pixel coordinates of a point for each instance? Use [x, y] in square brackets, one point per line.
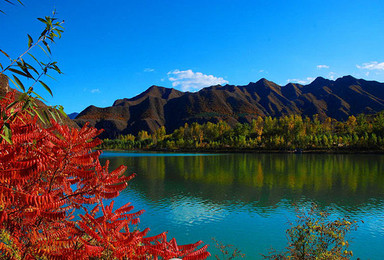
[49, 175]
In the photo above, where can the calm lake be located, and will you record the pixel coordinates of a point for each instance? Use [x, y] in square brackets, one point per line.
[247, 200]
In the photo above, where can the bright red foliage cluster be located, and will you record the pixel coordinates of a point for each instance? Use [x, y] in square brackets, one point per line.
[48, 173]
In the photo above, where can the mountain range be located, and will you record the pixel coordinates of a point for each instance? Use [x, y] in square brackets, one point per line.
[159, 106]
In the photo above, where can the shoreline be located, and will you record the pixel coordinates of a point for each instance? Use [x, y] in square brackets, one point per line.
[222, 151]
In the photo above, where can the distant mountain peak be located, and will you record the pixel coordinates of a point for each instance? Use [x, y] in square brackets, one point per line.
[160, 106]
[263, 81]
[348, 79]
[292, 84]
[73, 115]
[321, 81]
[156, 88]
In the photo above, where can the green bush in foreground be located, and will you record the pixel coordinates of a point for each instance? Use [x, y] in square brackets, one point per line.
[315, 236]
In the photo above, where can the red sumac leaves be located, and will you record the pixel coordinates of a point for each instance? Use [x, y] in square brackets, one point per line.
[48, 173]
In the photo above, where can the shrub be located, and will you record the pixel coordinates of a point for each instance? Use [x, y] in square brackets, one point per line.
[46, 175]
[315, 236]
[227, 252]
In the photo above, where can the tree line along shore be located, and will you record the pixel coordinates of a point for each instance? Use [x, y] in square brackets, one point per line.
[294, 133]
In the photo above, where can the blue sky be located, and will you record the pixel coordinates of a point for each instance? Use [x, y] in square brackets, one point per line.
[117, 49]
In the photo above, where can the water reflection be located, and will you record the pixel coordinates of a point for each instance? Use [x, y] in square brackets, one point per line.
[250, 196]
[263, 178]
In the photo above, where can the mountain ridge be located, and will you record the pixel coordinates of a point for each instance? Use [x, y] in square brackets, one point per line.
[161, 106]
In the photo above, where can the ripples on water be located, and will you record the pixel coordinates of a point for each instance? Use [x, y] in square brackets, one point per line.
[248, 199]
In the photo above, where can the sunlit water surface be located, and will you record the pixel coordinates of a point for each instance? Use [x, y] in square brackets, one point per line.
[247, 200]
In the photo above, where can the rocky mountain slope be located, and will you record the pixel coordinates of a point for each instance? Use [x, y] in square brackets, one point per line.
[159, 106]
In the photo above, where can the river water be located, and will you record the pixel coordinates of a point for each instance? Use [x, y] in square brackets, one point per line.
[248, 200]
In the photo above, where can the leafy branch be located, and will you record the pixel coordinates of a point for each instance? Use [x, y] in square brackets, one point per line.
[53, 29]
[18, 69]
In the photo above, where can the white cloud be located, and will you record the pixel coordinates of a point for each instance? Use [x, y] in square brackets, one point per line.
[188, 80]
[374, 65]
[332, 75]
[95, 90]
[149, 70]
[301, 81]
[322, 67]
